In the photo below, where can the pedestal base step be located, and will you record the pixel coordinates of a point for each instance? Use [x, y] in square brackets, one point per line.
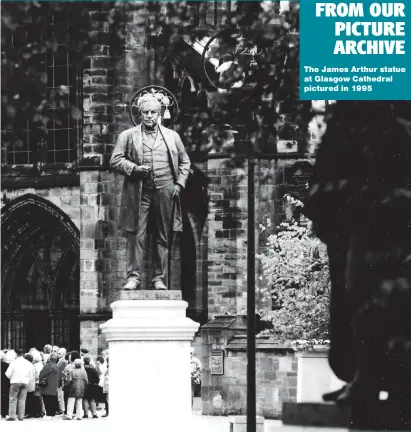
[239, 423]
[315, 414]
[378, 416]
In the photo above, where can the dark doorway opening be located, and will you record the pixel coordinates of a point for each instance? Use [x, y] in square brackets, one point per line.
[40, 275]
[38, 329]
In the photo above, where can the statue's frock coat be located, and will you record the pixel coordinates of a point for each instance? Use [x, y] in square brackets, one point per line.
[128, 152]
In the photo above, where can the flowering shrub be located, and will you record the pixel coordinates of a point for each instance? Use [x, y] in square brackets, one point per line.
[296, 279]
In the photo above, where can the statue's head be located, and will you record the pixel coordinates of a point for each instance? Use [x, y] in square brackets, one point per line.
[150, 109]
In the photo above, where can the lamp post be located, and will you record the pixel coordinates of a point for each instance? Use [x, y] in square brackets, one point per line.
[240, 60]
[251, 323]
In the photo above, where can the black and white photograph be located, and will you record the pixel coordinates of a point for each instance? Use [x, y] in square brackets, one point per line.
[186, 245]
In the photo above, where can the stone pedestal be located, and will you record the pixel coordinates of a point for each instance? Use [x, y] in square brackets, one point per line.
[239, 423]
[370, 416]
[315, 376]
[149, 340]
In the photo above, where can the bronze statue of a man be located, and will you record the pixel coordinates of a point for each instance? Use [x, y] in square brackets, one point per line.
[360, 203]
[156, 166]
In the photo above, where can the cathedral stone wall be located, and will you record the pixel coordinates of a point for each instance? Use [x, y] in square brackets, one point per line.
[227, 238]
[227, 225]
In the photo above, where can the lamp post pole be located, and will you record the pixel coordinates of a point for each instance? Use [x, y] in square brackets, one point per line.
[251, 324]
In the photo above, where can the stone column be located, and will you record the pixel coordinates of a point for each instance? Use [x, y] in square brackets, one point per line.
[149, 340]
[315, 376]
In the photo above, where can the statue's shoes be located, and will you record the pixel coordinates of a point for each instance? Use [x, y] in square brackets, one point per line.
[132, 284]
[159, 285]
[334, 395]
[358, 392]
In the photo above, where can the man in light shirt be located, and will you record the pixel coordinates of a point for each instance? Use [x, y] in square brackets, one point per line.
[20, 372]
[62, 363]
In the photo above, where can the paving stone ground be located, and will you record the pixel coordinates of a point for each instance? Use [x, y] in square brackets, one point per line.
[200, 424]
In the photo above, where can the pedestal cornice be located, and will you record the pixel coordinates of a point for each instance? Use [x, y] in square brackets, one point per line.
[147, 320]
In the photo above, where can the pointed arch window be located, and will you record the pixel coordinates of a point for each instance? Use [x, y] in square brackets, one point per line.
[40, 275]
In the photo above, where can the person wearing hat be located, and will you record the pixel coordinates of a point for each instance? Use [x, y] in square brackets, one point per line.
[155, 165]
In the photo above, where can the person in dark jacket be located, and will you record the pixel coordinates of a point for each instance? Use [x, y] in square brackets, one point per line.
[49, 391]
[93, 389]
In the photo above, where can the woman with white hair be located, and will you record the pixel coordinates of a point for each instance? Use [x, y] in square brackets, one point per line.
[38, 363]
[46, 353]
[38, 399]
[78, 381]
[11, 355]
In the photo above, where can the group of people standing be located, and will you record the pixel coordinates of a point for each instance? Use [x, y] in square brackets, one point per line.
[53, 382]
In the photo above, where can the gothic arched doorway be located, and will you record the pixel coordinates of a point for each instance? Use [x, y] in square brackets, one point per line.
[40, 275]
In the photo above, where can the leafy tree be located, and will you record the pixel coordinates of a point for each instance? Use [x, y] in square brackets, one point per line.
[295, 269]
[271, 88]
[267, 95]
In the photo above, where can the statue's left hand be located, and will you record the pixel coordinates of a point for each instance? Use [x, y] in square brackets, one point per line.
[177, 190]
